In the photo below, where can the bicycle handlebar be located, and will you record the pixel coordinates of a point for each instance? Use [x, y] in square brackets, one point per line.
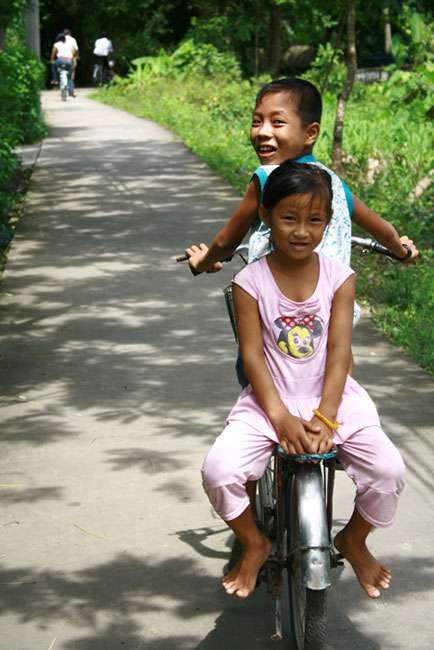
[362, 242]
[375, 247]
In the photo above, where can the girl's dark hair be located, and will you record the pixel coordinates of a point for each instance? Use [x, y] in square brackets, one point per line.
[304, 95]
[60, 37]
[297, 178]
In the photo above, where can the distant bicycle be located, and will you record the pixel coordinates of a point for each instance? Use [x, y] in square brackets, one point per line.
[63, 81]
[102, 73]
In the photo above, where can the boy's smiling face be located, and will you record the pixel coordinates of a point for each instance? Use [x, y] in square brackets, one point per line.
[277, 131]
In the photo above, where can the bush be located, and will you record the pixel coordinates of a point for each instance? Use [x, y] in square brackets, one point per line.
[21, 78]
[189, 59]
[327, 69]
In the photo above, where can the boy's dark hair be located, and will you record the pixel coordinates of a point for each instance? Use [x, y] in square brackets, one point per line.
[60, 37]
[303, 94]
[297, 178]
[67, 32]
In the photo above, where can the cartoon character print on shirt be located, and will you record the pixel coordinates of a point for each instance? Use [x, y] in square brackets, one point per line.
[298, 335]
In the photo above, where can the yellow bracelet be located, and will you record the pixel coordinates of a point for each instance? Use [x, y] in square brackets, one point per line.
[329, 423]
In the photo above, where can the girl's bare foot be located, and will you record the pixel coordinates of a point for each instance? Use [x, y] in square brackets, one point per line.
[369, 572]
[241, 579]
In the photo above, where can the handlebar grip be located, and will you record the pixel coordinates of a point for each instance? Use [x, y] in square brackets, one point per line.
[407, 256]
[184, 258]
[378, 248]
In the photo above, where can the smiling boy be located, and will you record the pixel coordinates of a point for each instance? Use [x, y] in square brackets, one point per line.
[286, 125]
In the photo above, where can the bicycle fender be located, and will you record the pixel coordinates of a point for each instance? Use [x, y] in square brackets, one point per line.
[314, 535]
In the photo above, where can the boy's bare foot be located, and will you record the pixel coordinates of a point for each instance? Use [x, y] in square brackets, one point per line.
[241, 579]
[369, 572]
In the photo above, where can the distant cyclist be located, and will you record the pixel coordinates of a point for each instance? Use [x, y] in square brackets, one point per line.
[62, 55]
[102, 50]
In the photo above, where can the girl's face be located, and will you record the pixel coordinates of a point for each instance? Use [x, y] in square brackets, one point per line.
[297, 225]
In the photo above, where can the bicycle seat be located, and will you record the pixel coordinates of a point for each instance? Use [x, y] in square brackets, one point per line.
[301, 458]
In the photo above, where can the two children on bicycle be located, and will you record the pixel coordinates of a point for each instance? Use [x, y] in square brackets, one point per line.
[294, 309]
[285, 126]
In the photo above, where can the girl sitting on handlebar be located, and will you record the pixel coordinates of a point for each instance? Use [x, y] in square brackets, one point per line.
[294, 311]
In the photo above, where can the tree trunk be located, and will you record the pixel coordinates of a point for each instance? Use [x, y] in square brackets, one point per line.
[2, 38]
[31, 21]
[338, 133]
[387, 29]
[275, 40]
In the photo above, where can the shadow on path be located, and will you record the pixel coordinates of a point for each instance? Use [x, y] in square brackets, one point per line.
[109, 598]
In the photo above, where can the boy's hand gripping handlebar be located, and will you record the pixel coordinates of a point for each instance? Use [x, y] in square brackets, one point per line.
[241, 250]
[375, 247]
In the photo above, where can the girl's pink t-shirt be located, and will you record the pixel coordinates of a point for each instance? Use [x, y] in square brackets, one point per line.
[295, 347]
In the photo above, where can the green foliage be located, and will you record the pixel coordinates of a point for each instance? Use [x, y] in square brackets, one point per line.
[327, 69]
[11, 10]
[402, 301]
[414, 89]
[308, 23]
[189, 59]
[21, 78]
[415, 42]
[214, 31]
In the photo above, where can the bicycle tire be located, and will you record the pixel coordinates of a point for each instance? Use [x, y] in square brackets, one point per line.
[63, 82]
[307, 607]
[97, 76]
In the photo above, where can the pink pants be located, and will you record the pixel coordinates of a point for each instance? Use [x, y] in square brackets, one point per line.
[241, 454]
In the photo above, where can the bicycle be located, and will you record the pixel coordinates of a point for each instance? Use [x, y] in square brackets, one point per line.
[63, 81]
[294, 509]
[102, 74]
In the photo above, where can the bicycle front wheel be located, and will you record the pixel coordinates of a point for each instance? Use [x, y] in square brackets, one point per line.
[63, 85]
[97, 75]
[307, 607]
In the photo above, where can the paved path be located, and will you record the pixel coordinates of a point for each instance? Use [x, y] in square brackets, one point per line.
[116, 373]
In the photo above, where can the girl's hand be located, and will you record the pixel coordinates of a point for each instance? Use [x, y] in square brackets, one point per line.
[323, 440]
[196, 255]
[414, 252]
[293, 433]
